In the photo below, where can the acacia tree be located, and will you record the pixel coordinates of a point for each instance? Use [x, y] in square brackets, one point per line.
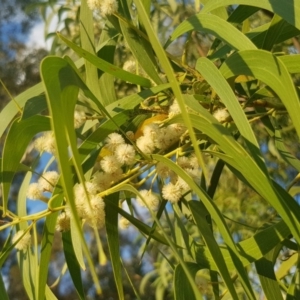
[164, 143]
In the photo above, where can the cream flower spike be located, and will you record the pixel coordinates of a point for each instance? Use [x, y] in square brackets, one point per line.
[108, 7]
[24, 242]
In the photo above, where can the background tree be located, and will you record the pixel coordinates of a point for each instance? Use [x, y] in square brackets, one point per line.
[19, 66]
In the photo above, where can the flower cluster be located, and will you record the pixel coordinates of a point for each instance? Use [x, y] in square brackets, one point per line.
[155, 137]
[63, 221]
[149, 199]
[221, 115]
[106, 7]
[123, 223]
[89, 205]
[46, 183]
[79, 118]
[46, 143]
[24, 242]
[119, 154]
[130, 66]
[176, 187]
[116, 157]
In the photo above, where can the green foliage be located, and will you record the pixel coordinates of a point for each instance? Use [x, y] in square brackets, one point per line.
[184, 142]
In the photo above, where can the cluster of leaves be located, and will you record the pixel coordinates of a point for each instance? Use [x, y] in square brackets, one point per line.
[239, 81]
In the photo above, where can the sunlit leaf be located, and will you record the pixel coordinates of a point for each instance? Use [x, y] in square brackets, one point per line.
[215, 26]
[111, 221]
[22, 132]
[289, 11]
[265, 270]
[107, 67]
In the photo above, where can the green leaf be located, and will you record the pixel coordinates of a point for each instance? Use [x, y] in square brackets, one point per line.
[130, 102]
[10, 111]
[292, 62]
[284, 153]
[72, 264]
[237, 157]
[145, 229]
[275, 32]
[294, 290]
[47, 243]
[241, 13]
[283, 31]
[286, 265]
[251, 249]
[62, 91]
[213, 211]
[141, 50]
[214, 181]
[288, 10]
[107, 67]
[3, 292]
[265, 270]
[130, 188]
[76, 238]
[111, 221]
[27, 259]
[107, 52]
[216, 26]
[22, 132]
[200, 214]
[87, 44]
[182, 287]
[215, 79]
[270, 70]
[34, 106]
[6, 249]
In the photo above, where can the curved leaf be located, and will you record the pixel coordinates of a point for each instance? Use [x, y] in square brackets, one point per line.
[270, 70]
[46, 244]
[215, 79]
[251, 249]
[11, 109]
[288, 10]
[216, 26]
[62, 86]
[87, 44]
[111, 222]
[292, 62]
[108, 36]
[165, 64]
[105, 66]
[130, 188]
[200, 217]
[182, 288]
[254, 174]
[21, 131]
[215, 215]
[145, 229]
[265, 270]
[142, 51]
